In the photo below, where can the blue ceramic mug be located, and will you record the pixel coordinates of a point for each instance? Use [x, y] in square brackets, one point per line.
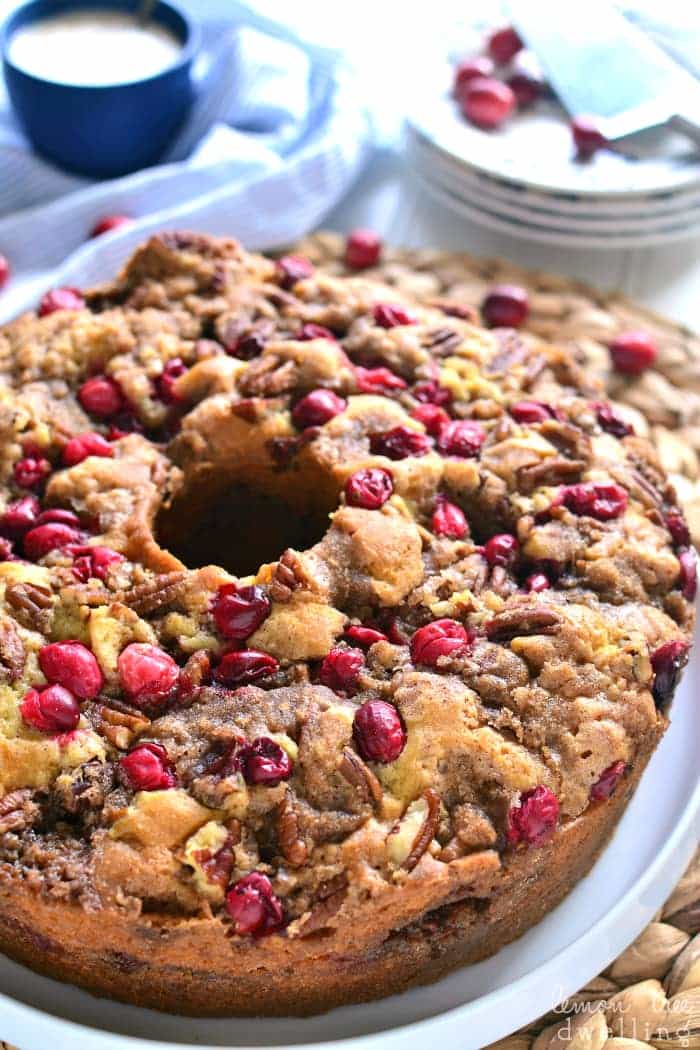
[109, 130]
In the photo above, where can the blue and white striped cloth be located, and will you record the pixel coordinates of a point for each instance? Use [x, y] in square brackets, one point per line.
[277, 136]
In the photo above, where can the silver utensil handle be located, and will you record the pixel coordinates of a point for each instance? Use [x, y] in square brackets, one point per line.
[688, 124]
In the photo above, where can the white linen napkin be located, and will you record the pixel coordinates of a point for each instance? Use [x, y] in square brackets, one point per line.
[277, 135]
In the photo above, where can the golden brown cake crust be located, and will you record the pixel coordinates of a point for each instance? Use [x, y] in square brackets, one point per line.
[364, 626]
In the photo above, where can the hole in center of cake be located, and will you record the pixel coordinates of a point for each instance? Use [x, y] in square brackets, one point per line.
[240, 530]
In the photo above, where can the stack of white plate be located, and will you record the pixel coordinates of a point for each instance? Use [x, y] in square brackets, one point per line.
[524, 178]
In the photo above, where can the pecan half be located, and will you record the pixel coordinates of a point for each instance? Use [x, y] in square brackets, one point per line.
[154, 594]
[554, 470]
[443, 341]
[194, 674]
[12, 652]
[291, 844]
[522, 620]
[360, 776]
[427, 832]
[31, 604]
[286, 577]
[17, 811]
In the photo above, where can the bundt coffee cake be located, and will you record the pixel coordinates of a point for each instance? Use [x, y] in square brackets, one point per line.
[335, 632]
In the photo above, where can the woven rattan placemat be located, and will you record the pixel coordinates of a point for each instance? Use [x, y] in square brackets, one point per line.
[650, 995]
[665, 398]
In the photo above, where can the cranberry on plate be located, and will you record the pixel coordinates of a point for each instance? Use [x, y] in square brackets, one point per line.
[587, 136]
[486, 102]
[503, 44]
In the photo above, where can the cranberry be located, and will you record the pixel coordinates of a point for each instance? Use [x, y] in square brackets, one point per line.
[688, 577]
[369, 488]
[60, 299]
[530, 412]
[109, 223]
[537, 582]
[20, 516]
[429, 392]
[503, 44]
[438, 639]
[310, 331]
[395, 632]
[501, 549]
[598, 499]
[588, 138]
[44, 538]
[486, 103]
[533, 821]
[462, 438]
[633, 352]
[264, 762]
[147, 768]
[293, 268]
[526, 87]
[432, 417]
[146, 673]
[253, 907]
[84, 445]
[377, 380]
[362, 249]
[317, 408]
[93, 561]
[4, 271]
[244, 666]
[505, 306]
[400, 443]
[101, 397]
[50, 710]
[247, 346]
[365, 636]
[607, 782]
[610, 421]
[449, 520]
[166, 382]
[378, 731]
[31, 472]
[58, 514]
[389, 315]
[667, 663]
[72, 665]
[239, 611]
[340, 669]
[677, 526]
[471, 69]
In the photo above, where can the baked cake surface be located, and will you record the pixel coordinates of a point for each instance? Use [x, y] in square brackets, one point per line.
[335, 632]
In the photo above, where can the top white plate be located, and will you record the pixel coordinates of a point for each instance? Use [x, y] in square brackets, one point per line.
[534, 149]
[471, 1007]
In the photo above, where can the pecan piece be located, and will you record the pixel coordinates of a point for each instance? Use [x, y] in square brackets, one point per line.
[286, 577]
[120, 727]
[442, 341]
[427, 832]
[31, 604]
[194, 674]
[17, 811]
[522, 620]
[453, 308]
[12, 652]
[354, 770]
[268, 377]
[511, 352]
[328, 901]
[554, 470]
[154, 594]
[291, 844]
